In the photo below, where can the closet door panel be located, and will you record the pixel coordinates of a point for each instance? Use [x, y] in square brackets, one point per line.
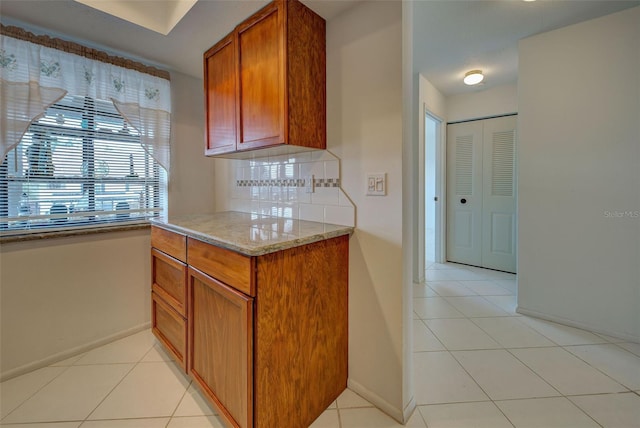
[464, 193]
[499, 194]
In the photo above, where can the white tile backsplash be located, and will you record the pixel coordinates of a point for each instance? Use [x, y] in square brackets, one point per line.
[311, 212]
[301, 195]
[289, 211]
[343, 200]
[326, 196]
[338, 215]
[332, 169]
[276, 189]
[322, 155]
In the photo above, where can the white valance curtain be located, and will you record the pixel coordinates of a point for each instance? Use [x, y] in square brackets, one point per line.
[33, 77]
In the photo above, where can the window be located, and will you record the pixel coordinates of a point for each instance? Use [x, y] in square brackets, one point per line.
[79, 165]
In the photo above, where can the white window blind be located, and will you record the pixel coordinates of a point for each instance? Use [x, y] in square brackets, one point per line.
[80, 165]
[84, 137]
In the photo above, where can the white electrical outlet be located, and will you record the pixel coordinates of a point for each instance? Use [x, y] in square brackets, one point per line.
[308, 184]
[376, 184]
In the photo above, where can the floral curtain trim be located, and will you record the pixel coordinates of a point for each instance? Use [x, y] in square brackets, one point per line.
[22, 61]
[28, 65]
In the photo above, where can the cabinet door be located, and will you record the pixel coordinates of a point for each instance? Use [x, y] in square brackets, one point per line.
[221, 96]
[221, 346]
[261, 78]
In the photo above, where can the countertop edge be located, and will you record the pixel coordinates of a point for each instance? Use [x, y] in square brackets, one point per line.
[43, 235]
[262, 250]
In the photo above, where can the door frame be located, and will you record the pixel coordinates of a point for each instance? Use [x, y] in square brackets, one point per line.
[420, 261]
[441, 181]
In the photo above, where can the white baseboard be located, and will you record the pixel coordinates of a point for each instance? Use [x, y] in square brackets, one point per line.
[71, 352]
[571, 323]
[398, 414]
[409, 409]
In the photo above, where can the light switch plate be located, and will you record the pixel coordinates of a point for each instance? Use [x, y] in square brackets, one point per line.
[376, 184]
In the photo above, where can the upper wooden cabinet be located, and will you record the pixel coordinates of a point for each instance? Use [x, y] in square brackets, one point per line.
[220, 94]
[265, 82]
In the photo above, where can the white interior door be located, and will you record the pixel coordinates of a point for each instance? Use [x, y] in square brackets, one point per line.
[481, 193]
[464, 193]
[499, 194]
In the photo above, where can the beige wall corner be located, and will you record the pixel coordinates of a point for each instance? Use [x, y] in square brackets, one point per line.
[364, 127]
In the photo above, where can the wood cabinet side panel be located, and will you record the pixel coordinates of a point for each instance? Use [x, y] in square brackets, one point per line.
[306, 77]
[169, 242]
[301, 336]
[221, 346]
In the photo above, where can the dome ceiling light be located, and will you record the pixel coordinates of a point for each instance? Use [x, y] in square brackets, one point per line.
[473, 77]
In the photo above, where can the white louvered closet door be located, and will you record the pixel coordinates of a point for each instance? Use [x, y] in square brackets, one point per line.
[499, 194]
[464, 193]
[481, 221]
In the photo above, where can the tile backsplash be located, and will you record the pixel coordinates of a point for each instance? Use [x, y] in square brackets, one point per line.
[278, 186]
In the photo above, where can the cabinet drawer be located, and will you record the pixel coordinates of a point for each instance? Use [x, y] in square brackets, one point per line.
[170, 328]
[169, 279]
[232, 268]
[168, 242]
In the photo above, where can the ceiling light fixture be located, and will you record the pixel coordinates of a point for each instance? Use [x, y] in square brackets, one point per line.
[473, 77]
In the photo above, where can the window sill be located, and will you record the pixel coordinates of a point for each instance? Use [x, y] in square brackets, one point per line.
[67, 233]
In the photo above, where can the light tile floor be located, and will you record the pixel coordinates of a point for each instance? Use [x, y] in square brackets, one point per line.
[476, 364]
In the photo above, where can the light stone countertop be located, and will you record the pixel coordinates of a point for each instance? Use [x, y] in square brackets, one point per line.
[252, 234]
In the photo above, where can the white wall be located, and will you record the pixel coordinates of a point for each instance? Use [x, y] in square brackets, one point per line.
[579, 175]
[59, 296]
[495, 101]
[432, 99]
[191, 183]
[364, 125]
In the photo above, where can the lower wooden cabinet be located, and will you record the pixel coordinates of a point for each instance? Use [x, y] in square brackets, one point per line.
[221, 346]
[265, 338]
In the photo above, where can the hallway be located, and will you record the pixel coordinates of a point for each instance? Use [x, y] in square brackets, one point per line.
[478, 363]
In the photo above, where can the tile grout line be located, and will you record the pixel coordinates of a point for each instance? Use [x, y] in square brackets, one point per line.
[510, 353]
[424, 421]
[533, 371]
[35, 392]
[594, 367]
[503, 414]
[536, 373]
[115, 386]
[503, 348]
[434, 335]
[186, 391]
